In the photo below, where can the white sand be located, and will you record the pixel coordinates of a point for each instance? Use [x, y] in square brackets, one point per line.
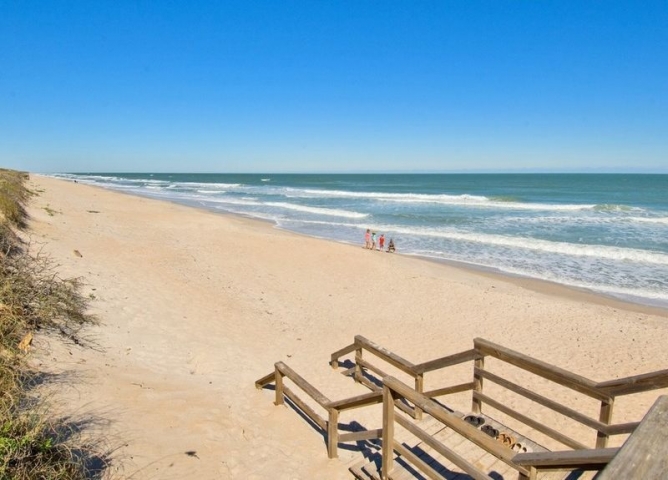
[196, 306]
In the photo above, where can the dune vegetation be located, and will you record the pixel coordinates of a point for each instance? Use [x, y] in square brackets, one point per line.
[35, 443]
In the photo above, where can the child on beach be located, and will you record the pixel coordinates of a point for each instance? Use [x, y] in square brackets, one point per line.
[367, 239]
[381, 242]
[390, 246]
[373, 240]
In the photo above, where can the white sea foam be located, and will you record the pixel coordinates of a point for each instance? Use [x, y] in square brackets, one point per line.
[318, 210]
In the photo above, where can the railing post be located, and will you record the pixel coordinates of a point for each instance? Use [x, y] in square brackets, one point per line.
[419, 387]
[358, 367]
[388, 433]
[333, 433]
[279, 386]
[604, 417]
[479, 363]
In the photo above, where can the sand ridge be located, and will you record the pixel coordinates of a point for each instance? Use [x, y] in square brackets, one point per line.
[195, 306]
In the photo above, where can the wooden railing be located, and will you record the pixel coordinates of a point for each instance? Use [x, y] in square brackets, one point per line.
[333, 408]
[527, 465]
[604, 392]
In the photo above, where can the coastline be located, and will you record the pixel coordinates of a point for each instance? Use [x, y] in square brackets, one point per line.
[196, 305]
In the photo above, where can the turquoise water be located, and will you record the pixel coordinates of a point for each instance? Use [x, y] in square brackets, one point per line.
[607, 233]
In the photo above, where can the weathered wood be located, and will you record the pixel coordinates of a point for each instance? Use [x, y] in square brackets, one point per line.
[591, 459]
[439, 392]
[334, 362]
[370, 398]
[267, 379]
[557, 407]
[421, 465]
[298, 380]
[312, 414]
[478, 365]
[359, 374]
[362, 435]
[419, 387]
[542, 369]
[449, 419]
[333, 433]
[370, 366]
[451, 455]
[386, 355]
[645, 452]
[530, 422]
[621, 428]
[605, 417]
[448, 361]
[388, 433]
[635, 383]
[278, 375]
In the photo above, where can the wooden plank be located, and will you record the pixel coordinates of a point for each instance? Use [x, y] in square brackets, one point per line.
[372, 367]
[605, 416]
[451, 455]
[636, 383]
[546, 402]
[576, 459]
[340, 353]
[362, 435]
[267, 379]
[388, 433]
[383, 353]
[333, 433]
[453, 421]
[530, 422]
[309, 389]
[645, 452]
[621, 428]
[447, 361]
[476, 405]
[320, 421]
[370, 398]
[439, 392]
[543, 369]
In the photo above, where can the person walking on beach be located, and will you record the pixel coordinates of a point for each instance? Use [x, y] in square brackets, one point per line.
[373, 240]
[381, 242]
[367, 239]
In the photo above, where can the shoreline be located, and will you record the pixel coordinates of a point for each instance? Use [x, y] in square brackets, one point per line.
[532, 283]
[195, 306]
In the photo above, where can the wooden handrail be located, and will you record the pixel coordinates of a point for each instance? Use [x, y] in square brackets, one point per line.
[585, 459]
[635, 384]
[334, 359]
[454, 422]
[363, 400]
[385, 354]
[446, 361]
[542, 369]
[309, 389]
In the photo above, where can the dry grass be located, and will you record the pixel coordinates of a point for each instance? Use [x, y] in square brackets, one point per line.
[33, 297]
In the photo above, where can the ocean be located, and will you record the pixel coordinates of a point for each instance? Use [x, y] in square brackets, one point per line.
[607, 233]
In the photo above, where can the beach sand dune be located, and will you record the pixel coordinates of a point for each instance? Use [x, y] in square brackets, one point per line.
[195, 306]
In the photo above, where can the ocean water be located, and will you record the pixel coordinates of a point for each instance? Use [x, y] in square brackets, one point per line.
[606, 233]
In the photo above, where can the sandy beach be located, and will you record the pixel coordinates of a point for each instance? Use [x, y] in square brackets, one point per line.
[195, 306]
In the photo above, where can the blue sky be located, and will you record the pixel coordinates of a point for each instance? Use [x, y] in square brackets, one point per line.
[310, 86]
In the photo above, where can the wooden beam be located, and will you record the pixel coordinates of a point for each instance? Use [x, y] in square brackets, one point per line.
[575, 459]
[448, 361]
[546, 402]
[362, 435]
[267, 379]
[309, 389]
[333, 433]
[340, 353]
[530, 422]
[370, 398]
[308, 411]
[636, 383]
[645, 452]
[386, 355]
[439, 392]
[388, 433]
[542, 369]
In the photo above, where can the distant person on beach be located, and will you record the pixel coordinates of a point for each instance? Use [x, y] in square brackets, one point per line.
[381, 242]
[373, 240]
[390, 246]
[367, 239]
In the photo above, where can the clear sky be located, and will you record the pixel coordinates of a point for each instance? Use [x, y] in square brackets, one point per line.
[310, 86]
